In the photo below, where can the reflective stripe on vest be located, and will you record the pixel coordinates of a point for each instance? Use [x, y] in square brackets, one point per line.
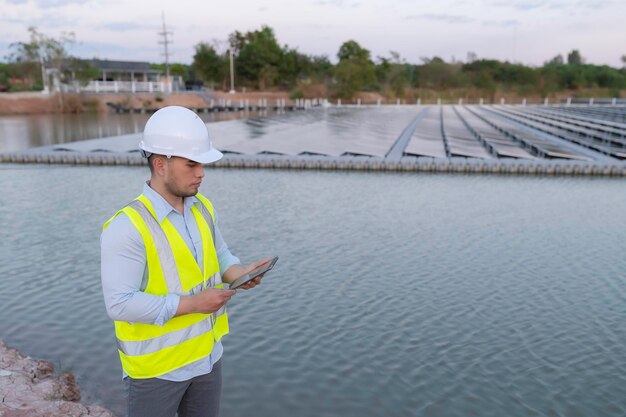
[171, 339]
[147, 350]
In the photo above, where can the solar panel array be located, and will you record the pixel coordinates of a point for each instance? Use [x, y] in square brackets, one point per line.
[494, 132]
[531, 139]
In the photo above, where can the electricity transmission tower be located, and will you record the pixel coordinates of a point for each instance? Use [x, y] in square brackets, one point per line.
[165, 40]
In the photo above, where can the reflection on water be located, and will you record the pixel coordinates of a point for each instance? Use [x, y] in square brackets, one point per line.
[30, 131]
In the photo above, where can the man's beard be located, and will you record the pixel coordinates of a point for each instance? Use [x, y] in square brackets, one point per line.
[180, 192]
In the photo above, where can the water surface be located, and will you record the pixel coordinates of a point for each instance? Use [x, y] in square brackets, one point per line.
[21, 132]
[395, 294]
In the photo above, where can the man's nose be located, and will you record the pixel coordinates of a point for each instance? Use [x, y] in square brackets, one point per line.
[200, 171]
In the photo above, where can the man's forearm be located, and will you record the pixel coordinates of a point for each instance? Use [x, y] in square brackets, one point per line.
[232, 273]
[186, 305]
[205, 302]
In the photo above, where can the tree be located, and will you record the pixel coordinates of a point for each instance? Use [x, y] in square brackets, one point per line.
[42, 53]
[259, 57]
[261, 62]
[208, 65]
[82, 70]
[437, 74]
[382, 69]
[237, 40]
[394, 73]
[355, 71]
[557, 60]
[292, 65]
[179, 70]
[4, 77]
[352, 51]
[574, 58]
[311, 68]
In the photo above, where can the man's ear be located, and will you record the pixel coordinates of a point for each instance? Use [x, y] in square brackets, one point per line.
[159, 165]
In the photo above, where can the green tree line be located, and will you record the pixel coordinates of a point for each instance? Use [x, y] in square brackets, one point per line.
[262, 63]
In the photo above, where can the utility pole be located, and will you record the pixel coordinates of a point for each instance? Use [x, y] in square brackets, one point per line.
[232, 72]
[165, 40]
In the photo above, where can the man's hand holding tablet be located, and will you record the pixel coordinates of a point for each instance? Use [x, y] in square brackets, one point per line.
[253, 276]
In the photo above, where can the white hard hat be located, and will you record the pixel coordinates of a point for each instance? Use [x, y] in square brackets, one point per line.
[178, 131]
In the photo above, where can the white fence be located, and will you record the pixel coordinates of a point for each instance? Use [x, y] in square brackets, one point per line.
[122, 87]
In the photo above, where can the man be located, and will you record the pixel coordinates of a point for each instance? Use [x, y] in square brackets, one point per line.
[164, 265]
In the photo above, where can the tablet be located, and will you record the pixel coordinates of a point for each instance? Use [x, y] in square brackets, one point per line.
[254, 273]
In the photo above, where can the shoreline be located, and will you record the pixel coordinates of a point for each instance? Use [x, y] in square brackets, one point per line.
[29, 387]
[32, 103]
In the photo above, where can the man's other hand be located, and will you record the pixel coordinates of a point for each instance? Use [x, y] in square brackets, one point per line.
[207, 301]
[257, 280]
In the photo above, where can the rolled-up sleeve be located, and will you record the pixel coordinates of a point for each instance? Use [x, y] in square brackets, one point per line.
[224, 256]
[123, 269]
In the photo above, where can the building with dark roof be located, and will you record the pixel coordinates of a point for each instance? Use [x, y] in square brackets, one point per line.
[109, 76]
[124, 70]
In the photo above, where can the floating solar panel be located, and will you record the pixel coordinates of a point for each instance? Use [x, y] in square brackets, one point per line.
[522, 139]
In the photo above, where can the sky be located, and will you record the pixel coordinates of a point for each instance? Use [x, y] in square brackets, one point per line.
[523, 31]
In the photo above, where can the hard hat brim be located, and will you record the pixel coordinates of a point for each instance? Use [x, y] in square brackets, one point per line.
[205, 158]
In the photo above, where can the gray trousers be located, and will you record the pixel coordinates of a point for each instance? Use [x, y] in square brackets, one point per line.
[153, 397]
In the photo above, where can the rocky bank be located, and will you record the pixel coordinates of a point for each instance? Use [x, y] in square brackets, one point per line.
[29, 388]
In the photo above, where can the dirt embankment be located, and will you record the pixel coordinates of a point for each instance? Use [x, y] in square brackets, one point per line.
[28, 388]
[27, 103]
[252, 96]
[37, 103]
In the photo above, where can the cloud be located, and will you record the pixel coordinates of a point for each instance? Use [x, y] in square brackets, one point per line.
[523, 4]
[447, 18]
[337, 3]
[318, 26]
[595, 4]
[501, 23]
[527, 5]
[533, 4]
[51, 4]
[16, 1]
[12, 20]
[114, 51]
[124, 26]
[43, 23]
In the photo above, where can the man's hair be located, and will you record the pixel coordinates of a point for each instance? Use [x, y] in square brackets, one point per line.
[151, 159]
[150, 163]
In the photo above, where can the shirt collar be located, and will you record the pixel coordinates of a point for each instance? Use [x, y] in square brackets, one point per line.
[161, 207]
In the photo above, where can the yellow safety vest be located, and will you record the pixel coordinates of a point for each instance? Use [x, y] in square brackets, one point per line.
[148, 350]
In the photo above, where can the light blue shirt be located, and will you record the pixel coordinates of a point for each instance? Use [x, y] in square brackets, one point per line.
[124, 273]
